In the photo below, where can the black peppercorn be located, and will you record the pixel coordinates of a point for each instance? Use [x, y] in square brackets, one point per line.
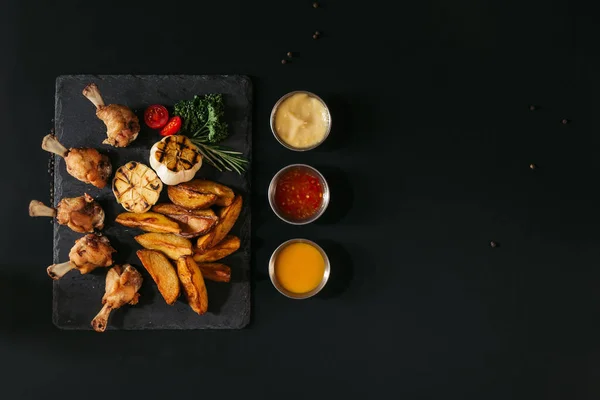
[493, 244]
[289, 54]
[284, 61]
[532, 166]
[316, 5]
[565, 121]
[532, 108]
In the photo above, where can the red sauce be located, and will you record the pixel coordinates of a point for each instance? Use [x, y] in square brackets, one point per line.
[299, 194]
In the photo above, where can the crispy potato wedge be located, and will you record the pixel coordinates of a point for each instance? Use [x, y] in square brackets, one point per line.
[223, 249]
[186, 197]
[225, 195]
[193, 223]
[171, 245]
[215, 272]
[203, 242]
[227, 217]
[149, 222]
[193, 284]
[163, 273]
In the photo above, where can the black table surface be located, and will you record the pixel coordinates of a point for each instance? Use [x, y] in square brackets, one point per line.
[428, 160]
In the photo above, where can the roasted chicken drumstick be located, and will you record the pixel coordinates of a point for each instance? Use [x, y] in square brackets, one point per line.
[88, 253]
[85, 164]
[122, 126]
[81, 214]
[122, 285]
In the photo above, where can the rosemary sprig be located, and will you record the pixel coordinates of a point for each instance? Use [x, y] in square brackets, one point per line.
[220, 157]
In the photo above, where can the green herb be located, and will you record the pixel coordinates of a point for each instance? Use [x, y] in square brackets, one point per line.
[202, 117]
[221, 158]
[202, 122]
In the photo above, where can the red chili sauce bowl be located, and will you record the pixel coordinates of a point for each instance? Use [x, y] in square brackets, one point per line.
[298, 194]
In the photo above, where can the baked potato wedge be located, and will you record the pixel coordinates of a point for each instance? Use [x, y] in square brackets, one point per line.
[215, 272]
[193, 284]
[193, 223]
[204, 241]
[222, 249]
[186, 197]
[225, 195]
[163, 273]
[227, 217]
[171, 245]
[149, 222]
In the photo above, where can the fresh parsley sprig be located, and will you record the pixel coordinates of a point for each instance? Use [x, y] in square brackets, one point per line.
[202, 122]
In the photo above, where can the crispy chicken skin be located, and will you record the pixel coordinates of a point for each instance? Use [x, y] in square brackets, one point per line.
[81, 214]
[88, 253]
[85, 164]
[89, 166]
[122, 125]
[122, 285]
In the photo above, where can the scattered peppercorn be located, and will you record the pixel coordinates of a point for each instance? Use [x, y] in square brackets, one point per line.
[289, 54]
[315, 37]
[532, 108]
[317, 33]
[316, 5]
[532, 166]
[284, 61]
[493, 244]
[565, 121]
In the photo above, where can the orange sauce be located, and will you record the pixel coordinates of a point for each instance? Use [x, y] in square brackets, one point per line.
[299, 267]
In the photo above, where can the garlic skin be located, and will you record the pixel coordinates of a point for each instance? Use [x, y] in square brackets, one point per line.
[183, 151]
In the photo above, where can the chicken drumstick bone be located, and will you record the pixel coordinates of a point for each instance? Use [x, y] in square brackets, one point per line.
[122, 125]
[88, 253]
[81, 214]
[87, 165]
[122, 285]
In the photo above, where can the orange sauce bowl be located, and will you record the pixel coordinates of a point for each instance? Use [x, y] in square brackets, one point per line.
[299, 268]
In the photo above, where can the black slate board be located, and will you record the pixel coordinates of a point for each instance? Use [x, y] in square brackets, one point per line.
[76, 297]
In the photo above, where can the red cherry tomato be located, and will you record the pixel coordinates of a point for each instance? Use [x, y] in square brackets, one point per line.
[156, 116]
[172, 127]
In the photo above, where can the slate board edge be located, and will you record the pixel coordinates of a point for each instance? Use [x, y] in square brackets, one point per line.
[245, 320]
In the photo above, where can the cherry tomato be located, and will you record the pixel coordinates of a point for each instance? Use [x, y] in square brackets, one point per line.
[172, 127]
[156, 116]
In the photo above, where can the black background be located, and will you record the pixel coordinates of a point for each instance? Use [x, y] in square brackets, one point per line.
[428, 161]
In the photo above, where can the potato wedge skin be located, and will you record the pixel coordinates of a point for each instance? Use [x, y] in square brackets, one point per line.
[216, 272]
[225, 194]
[227, 218]
[204, 241]
[171, 245]
[162, 272]
[226, 247]
[174, 209]
[193, 223]
[187, 198]
[149, 222]
[193, 284]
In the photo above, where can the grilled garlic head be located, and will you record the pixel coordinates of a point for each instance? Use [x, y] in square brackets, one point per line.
[175, 159]
[136, 187]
